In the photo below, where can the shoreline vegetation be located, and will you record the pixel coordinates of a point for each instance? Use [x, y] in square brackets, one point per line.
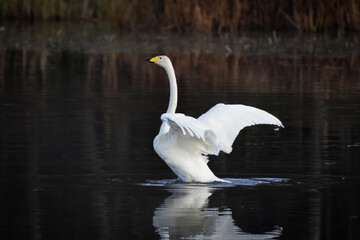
[217, 17]
[321, 66]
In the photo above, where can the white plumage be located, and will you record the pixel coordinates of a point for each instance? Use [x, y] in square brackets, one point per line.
[184, 142]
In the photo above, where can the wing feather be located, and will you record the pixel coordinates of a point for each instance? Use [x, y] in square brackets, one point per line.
[217, 129]
[226, 121]
[190, 127]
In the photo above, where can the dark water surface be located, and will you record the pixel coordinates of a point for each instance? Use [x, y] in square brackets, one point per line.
[79, 109]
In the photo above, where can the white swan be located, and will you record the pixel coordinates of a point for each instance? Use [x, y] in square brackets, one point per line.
[184, 142]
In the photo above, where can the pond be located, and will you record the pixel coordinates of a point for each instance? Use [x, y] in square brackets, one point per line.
[79, 108]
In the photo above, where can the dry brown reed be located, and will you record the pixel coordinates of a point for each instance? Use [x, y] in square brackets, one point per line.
[201, 16]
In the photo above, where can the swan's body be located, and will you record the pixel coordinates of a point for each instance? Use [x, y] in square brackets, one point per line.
[184, 142]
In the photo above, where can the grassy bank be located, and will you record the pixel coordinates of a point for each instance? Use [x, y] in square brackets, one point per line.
[218, 16]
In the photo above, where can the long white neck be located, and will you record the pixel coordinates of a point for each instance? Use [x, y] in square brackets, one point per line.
[173, 88]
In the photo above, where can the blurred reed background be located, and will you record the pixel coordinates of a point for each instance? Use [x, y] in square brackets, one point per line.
[201, 16]
[302, 64]
[277, 75]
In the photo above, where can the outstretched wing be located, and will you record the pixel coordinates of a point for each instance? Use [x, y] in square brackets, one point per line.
[226, 121]
[191, 130]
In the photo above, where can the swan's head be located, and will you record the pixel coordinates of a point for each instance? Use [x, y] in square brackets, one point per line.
[161, 60]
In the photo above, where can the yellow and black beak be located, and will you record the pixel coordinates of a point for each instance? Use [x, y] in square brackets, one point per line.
[153, 59]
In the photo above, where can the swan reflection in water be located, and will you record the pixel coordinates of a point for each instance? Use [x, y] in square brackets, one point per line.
[186, 215]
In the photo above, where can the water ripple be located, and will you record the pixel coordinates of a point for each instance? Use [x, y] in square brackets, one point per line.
[233, 182]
